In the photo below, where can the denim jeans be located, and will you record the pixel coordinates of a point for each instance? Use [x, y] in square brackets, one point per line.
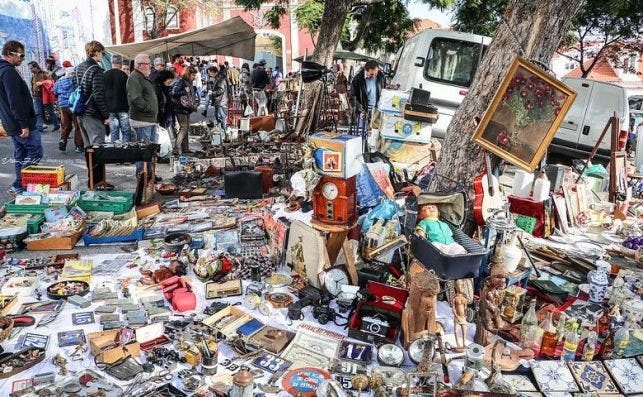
[207, 102]
[26, 152]
[147, 134]
[119, 127]
[40, 114]
[221, 116]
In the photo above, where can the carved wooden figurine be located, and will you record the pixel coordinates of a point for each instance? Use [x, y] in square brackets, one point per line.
[493, 292]
[459, 304]
[420, 313]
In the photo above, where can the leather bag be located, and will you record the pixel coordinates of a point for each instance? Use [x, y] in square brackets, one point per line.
[243, 184]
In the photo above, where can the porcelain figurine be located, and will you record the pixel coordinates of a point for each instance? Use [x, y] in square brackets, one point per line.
[599, 281]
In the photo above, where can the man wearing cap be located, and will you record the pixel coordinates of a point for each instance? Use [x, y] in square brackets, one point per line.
[116, 98]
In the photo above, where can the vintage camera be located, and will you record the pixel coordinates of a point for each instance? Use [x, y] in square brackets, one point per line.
[324, 314]
[376, 325]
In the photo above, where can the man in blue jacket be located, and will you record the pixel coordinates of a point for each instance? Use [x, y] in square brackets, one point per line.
[17, 112]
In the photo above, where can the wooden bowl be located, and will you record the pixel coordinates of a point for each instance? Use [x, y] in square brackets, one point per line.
[166, 188]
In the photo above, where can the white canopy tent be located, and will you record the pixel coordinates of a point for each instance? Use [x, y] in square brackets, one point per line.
[233, 37]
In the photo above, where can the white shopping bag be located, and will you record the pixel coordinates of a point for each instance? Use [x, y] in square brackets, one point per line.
[163, 139]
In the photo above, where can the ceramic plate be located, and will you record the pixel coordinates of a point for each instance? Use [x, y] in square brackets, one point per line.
[627, 373]
[592, 377]
[553, 376]
[520, 382]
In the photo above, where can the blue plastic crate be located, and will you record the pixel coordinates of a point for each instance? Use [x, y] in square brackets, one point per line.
[136, 236]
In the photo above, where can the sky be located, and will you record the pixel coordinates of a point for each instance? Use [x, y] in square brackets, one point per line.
[417, 9]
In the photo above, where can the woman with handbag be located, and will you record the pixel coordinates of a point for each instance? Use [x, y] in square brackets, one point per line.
[184, 104]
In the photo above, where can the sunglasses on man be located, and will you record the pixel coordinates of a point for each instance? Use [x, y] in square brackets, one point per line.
[18, 54]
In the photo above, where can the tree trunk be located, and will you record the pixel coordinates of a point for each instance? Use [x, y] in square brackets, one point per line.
[539, 27]
[332, 22]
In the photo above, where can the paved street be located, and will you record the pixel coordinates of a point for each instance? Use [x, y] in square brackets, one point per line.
[121, 176]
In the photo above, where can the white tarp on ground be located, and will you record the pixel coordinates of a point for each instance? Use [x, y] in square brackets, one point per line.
[233, 37]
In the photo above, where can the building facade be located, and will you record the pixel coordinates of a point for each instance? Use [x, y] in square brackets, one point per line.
[138, 20]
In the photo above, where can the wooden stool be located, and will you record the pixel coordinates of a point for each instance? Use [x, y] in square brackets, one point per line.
[337, 240]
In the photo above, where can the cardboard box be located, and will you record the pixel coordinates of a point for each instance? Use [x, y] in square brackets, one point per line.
[104, 347]
[336, 155]
[392, 101]
[57, 243]
[395, 127]
[148, 210]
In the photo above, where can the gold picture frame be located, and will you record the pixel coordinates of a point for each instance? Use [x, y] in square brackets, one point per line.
[524, 115]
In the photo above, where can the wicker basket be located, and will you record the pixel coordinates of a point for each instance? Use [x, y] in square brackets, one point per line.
[6, 326]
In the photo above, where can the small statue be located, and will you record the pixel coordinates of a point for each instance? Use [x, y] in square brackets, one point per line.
[419, 316]
[61, 362]
[491, 300]
[297, 253]
[460, 303]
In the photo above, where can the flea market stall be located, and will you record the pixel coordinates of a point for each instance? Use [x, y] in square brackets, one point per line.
[332, 265]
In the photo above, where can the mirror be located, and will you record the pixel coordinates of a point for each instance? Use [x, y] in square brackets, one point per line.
[419, 61]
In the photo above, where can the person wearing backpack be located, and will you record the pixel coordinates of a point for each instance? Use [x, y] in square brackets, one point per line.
[89, 75]
[17, 112]
[62, 90]
[93, 116]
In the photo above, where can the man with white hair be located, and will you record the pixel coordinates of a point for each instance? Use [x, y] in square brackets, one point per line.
[159, 66]
[143, 105]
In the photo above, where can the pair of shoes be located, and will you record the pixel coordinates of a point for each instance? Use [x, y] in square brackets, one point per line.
[79, 149]
[105, 187]
[157, 179]
[62, 145]
[204, 113]
[15, 191]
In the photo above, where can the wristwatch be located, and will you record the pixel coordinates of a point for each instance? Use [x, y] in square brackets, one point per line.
[390, 355]
[279, 300]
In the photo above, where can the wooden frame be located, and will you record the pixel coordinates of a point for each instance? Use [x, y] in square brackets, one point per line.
[524, 115]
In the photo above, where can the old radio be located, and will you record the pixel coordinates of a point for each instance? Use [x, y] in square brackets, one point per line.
[334, 201]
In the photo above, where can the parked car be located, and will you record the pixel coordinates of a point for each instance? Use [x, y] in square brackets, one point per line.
[582, 126]
[443, 62]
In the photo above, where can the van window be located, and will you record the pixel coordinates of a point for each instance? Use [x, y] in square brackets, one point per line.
[452, 61]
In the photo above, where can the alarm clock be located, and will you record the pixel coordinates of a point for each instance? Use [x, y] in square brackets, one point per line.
[334, 201]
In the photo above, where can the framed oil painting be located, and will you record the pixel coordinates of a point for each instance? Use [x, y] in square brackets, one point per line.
[524, 115]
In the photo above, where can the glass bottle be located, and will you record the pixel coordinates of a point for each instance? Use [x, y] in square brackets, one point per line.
[550, 338]
[560, 331]
[603, 326]
[621, 339]
[571, 343]
[590, 346]
[529, 327]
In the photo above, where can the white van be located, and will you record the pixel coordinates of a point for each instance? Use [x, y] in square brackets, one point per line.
[582, 126]
[443, 62]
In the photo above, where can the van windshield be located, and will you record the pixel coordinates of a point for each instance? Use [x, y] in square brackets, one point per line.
[452, 61]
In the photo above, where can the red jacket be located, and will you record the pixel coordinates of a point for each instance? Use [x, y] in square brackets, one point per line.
[48, 96]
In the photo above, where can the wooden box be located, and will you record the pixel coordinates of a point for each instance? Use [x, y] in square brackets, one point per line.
[222, 290]
[99, 342]
[55, 243]
[336, 155]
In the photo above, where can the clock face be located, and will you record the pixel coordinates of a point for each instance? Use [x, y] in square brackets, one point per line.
[334, 280]
[265, 308]
[391, 355]
[330, 191]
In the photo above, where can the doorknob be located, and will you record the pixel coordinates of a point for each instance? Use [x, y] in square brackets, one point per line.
[586, 130]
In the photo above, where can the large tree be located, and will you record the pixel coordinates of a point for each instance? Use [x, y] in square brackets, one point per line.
[616, 25]
[533, 30]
